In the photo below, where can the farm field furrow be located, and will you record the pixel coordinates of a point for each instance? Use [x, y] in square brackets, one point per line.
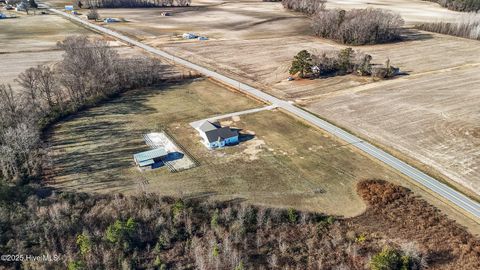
[433, 118]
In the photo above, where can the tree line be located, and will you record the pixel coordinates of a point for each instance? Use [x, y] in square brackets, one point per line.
[334, 63]
[398, 231]
[131, 3]
[89, 72]
[467, 26]
[358, 26]
[355, 27]
[459, 5]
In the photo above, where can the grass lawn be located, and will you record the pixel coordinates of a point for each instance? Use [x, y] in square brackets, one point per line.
[283, 163]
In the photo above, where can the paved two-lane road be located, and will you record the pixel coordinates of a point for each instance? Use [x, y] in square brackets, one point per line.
[443, 191]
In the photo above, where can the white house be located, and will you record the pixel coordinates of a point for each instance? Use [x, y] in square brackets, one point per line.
[214, 135]
[189, 36]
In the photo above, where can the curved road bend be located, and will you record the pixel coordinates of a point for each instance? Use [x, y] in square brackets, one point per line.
[442, 190]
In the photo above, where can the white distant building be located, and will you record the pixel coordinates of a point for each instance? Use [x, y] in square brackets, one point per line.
[111, 20]
[189, 36]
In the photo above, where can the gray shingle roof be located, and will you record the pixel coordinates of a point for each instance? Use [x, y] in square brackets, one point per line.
[220, 134]
[215, 132]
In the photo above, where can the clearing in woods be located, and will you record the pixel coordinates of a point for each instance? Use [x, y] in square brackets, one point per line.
[280, 162]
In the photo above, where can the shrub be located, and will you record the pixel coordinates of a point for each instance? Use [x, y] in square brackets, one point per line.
[84, 243]
[121, 232]
[214, 219]
[292, 215]
[358, 26]
[93, 14]
[387, 259]
[308, 7]
[178, 208]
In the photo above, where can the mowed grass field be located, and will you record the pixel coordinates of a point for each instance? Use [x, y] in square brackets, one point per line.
[286, 163]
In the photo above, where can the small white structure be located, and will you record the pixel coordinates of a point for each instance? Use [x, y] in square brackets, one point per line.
[111, 20]
[215, 136]
[189, 36]
[202, 38]
[69, 8]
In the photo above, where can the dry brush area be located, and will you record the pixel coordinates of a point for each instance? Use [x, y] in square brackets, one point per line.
[147, 231]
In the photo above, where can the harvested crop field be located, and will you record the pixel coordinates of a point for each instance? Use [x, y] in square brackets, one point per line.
[272, 166]
[412, 11]
[30, 40]
[36, 32]
[217, 20]
[434, 118]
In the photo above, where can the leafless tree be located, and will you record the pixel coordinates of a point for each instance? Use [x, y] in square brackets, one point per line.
[9, 107]
[135, 3]
[358, 26]
[88, 67]
[308, 7]
[466, 25]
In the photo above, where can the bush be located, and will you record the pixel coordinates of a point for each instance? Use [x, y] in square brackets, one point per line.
[358, 26]
[387, 259]
[93, 14]
[308, 7]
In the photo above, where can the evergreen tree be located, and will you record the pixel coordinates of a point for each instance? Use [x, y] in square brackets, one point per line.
[302, 64]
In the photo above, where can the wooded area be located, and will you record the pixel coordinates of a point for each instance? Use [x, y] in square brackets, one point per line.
[467, 26]
[335, 63]
[131, 3]
[397, 230]
[358, 26]
[355, 27]
[459, 5]
[90, 72]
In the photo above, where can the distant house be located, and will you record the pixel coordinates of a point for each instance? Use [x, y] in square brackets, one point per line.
[214, 135]
[149, 159]
[111, 20]
[189, 36]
